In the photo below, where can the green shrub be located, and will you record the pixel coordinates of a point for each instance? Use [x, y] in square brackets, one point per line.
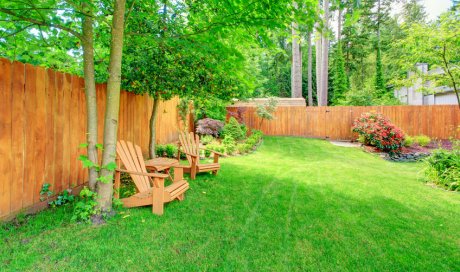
[216, 146]
[85, 208]
[443, 168]
[233, 129]
[63, 198]
[230, 144]
[241, 148]
[171, 150]
[160, 150]
[422, 140]
[408, 141]
[251, 141]
[206, 139]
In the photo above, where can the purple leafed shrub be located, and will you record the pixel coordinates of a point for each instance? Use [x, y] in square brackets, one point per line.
[208, 126]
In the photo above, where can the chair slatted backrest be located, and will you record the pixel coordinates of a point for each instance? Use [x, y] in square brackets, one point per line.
[132, 159]
[190, 143]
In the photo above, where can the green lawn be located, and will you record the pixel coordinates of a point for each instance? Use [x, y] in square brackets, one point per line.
[294, 205]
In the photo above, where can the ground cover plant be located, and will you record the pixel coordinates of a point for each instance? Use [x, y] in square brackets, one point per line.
[320, 208]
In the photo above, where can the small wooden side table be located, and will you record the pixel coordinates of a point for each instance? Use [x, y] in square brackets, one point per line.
[161, 164]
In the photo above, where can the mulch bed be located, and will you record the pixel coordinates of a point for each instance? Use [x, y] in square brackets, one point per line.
[412, 153]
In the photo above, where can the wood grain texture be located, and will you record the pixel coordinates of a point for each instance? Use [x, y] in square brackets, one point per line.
[335, 123]
[43, 122]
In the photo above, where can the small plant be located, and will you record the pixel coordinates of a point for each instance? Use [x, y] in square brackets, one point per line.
[443, 168]
[266, 111]
[63, 198]
[206, 139]
[171, 150]
[45, 192]
[85, 208]
[244, 148]
[215, 146]
[378, 131]
[408, 141]
[229, 144]
[422, 140]
[233, 129]
[208, 126]
[160, 150]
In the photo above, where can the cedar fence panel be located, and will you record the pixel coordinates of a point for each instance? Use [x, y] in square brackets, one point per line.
[43, 122]
[438, 121]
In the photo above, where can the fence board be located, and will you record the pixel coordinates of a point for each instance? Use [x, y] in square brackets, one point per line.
[335, 123]
[43, 122]
[17, 135]
[5, 137]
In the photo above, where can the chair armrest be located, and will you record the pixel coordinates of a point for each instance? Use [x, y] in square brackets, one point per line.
[153, 175]
[215, 152]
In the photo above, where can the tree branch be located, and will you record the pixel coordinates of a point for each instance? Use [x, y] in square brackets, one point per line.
[41, 23]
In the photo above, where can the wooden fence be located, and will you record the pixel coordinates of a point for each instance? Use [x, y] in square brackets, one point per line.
[335, 123]
[43, 122]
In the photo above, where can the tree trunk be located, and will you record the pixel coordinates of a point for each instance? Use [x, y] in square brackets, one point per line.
[90, 93]
[339, 25]
[324, 56]
[153, 118]
[318, 54]
[309, 71]
[105, 188]
[296, 64]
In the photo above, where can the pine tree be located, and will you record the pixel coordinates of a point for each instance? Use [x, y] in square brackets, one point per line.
[340, 80]
[379, 79]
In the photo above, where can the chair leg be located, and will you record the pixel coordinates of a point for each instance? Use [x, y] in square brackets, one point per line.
[181, 197]
[157, 196]
[214, 172]
[193, 173]
[178, 174]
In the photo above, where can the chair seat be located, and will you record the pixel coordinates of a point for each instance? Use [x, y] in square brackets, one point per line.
[208, 167]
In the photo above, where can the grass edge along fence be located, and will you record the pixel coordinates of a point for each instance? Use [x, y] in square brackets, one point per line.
[335, 122]
[43, 122]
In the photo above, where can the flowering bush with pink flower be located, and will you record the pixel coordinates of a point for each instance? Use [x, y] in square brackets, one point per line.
[378, 131]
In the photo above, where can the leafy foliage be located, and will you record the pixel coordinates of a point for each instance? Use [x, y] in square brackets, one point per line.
[208, 126]
[229, 144]
[63, 198]
[85, 208]
[422, 140]
[443, 168]
[233, 129]
[265, 111]
[378, 131]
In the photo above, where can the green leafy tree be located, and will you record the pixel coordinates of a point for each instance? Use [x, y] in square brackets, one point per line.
[437, 44]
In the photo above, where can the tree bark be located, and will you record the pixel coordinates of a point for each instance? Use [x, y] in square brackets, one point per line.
[296, 64]
[309, 71]
[90, 92]
[153, 118]
[324, 56]
[318, 55]
[339, 25]
[105, 189]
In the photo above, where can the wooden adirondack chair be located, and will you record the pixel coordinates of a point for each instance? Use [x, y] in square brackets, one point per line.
[190, 145]
[150, 187]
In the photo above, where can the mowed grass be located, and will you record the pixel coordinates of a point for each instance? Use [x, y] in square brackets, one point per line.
[294, 205]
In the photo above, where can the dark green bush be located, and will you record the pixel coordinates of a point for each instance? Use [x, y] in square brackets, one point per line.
[233, 129]
[160, 150]
[443, 168]
[171, 150]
